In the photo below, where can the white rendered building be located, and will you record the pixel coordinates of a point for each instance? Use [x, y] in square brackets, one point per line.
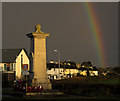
[14, 61]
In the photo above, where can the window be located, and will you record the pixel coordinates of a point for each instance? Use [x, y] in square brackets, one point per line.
[8, 66]
[14, 66]
[5, 68]
[11, 67]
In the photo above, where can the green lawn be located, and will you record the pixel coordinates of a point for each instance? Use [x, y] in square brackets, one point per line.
[109, 81]
[89, 80]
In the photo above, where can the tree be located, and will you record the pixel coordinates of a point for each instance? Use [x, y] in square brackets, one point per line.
[87, 65]
[116, 70]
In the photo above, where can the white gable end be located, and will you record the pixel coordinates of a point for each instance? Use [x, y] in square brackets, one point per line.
[21, 59]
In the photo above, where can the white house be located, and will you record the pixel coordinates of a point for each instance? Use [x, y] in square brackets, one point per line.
[53, 71]
[83, 71]
[65, 71]
[14, 61]
[92, 71]
[70, 72]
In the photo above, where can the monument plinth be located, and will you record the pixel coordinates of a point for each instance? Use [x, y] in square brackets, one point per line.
[39, 58]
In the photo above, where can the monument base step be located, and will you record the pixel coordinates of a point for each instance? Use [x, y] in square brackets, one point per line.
[45, 93]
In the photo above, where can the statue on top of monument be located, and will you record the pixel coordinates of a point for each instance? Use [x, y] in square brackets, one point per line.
[38, 28]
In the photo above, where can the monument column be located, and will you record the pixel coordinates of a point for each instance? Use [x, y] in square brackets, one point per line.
[39, 58]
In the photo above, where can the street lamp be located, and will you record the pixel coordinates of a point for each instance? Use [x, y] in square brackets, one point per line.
[58, 61]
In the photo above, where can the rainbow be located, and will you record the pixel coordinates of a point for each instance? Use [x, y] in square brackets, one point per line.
[92, 18]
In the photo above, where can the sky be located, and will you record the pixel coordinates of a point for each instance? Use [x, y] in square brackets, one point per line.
[69, 27]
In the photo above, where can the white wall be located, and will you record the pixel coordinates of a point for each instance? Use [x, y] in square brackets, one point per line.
[1, 66]
[73, 71]
[84, 73]
[55, 71]
[18, 63]
[96, 73]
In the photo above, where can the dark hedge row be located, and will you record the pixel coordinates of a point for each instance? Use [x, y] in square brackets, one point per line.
[83, 87]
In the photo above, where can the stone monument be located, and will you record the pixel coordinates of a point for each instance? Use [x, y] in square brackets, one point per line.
[38, 53]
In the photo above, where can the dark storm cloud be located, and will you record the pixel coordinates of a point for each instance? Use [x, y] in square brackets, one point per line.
[68, 26]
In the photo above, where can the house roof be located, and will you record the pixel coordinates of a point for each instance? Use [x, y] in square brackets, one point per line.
[9, 55]
[82, 68]
[95, 69]
[52, 65]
